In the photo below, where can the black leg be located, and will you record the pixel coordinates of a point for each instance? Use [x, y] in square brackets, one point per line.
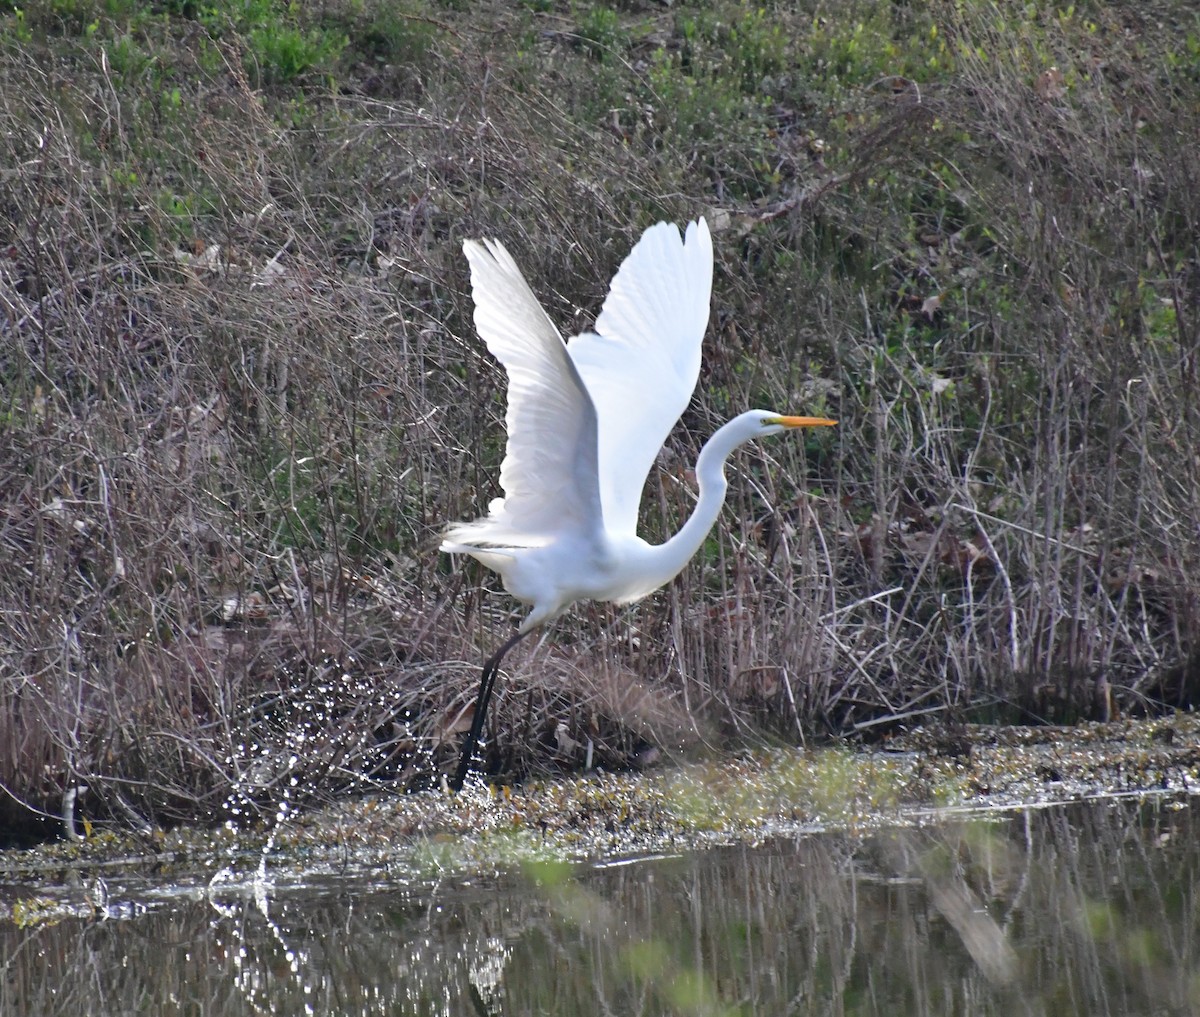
[488, 679]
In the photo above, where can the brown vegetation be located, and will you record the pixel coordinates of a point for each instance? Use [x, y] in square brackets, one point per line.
[241, 390]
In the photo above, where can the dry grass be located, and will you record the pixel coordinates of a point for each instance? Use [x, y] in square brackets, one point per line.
[242, 394]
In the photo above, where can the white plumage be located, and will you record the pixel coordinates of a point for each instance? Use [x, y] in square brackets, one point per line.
[585, 421]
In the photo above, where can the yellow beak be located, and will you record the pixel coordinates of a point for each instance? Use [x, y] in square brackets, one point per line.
[802, 421]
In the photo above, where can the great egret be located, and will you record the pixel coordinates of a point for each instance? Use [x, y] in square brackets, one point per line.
[585, 421]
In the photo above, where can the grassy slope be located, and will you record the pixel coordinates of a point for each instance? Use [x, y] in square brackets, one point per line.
[241, 391]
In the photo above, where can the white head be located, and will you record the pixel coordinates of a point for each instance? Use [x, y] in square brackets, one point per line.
[746, 427]
[756, 423]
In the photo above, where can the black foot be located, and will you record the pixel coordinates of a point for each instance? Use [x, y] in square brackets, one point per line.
[488, 679]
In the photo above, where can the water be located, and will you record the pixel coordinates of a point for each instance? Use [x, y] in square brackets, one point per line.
[1081, 909]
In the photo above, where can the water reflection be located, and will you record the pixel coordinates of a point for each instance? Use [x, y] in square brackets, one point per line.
[1091, 909]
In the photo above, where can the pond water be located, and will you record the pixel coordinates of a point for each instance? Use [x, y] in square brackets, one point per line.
[1089, 908]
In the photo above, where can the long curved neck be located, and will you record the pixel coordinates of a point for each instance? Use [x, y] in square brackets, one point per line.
[710, 477]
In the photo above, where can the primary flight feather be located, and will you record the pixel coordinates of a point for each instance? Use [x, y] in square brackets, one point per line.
[585, 421]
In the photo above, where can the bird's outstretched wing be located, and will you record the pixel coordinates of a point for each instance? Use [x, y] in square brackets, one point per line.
[641, 363]
[549, 469]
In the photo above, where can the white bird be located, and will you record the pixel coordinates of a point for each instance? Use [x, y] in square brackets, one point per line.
[585, 421]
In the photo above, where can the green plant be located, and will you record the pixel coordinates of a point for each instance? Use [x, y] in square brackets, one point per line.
[17, 24]
[388, 32]
[600, 33]
[283, 52]
[759, 47]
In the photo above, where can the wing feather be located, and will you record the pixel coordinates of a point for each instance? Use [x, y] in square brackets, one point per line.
[549, 473]
[641, 364]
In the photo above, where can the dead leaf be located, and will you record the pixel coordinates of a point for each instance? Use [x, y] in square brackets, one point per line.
[1050, 86]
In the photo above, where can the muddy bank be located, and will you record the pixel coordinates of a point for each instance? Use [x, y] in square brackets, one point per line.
[916, 779]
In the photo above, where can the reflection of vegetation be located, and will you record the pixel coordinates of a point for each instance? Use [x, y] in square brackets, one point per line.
[1090, 906]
